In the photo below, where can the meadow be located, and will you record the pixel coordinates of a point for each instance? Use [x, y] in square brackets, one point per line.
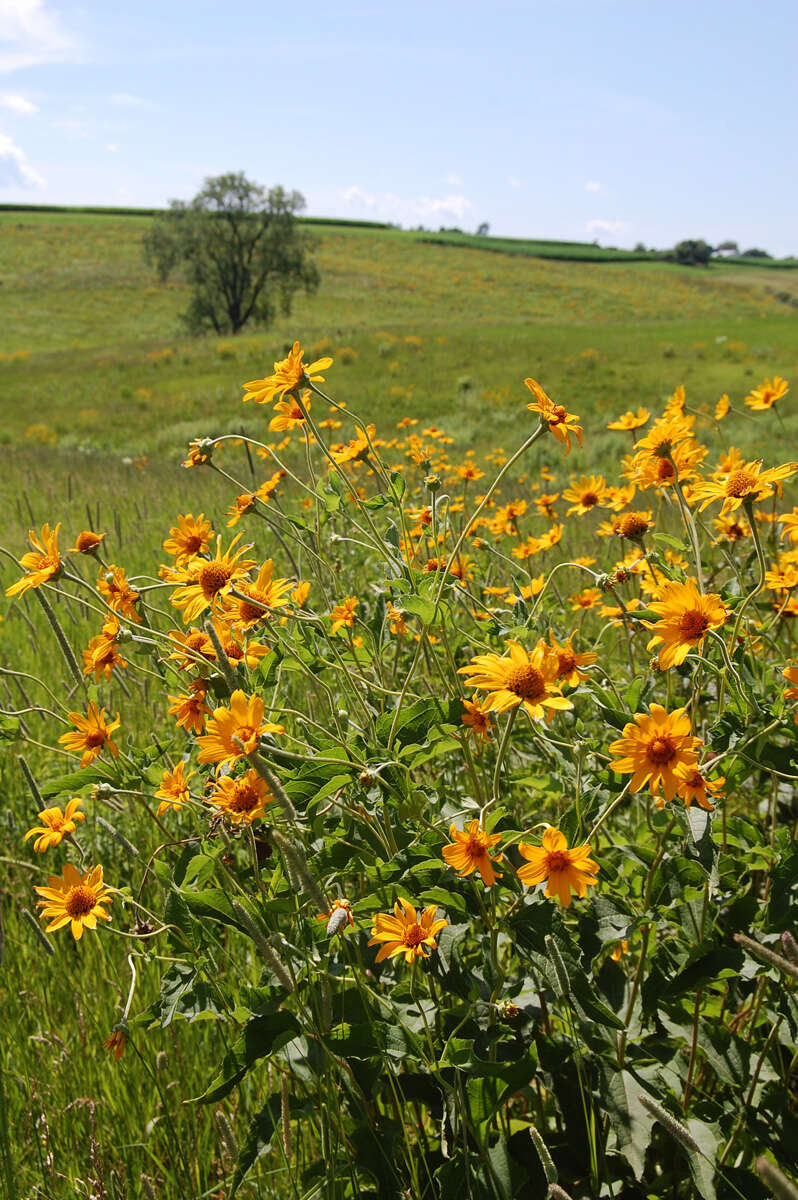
[215, 1038]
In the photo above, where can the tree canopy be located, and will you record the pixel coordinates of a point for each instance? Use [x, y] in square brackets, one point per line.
[240, 249]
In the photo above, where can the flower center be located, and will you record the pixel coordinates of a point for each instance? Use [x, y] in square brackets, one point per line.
[245, 797]
[558, 861]
[740, 483]
[693, 624]
[589, 499]
[660, 751]
[94, 737]
[212, 578]
[665, 469]
[413, 935]
[232, 650]
[632, 525]
[193, 543]
[526, 682]
[80, 901]
[557, 414]
[247, 736]
[565, 663]
[475, 847]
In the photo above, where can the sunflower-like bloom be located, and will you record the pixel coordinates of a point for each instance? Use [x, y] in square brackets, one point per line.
[634, 525]
[630, 420]
[241, 800]
[564, 870]
[255, 600]
[174, 791]
[789, 525]
[695, 786]
[119, 595]
[647, 469]
[190, 710]
[338, 916]
[561, 423]
[41, 563]
[344, 614]
[586, 493]
[722, 407]
[289, 373]
[86, 542]
[74, 899]
[56, 825]
[191, 536]
[92, 736]
[478, 719]
[469, 851]
[569, 663]
[765, 396]
[685, 619]
[242, 721]
[203, 582]
[654, 750]
[748, 483]
[102, 655]
[290, 414]
[404, 932]
[357, 449]
[665, 433]
[520, 677]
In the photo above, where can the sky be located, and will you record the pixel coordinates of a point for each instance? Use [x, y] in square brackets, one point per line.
[607, 120]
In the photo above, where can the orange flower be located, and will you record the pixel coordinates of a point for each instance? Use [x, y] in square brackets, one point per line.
[765, 396]
[75, 900]
[469, 851]
[242, 800]
[561, 423]
[478, 718]
[41, 563]
[694, 785]
[403, 932]
[86, 542]
[564, 870]
[174, 791]
[204, 582]
[289, 373]
[748, 483]
[686, 618]
[630, 420]
[520, 677]
[243, 720]
[93, 734]
[119, 595]
[102, 653]
[290, 414]
[191, 536]
[191, 710]
[586, 493]
[569, 663]
[56, 825]
[654, 748]
[344, 614]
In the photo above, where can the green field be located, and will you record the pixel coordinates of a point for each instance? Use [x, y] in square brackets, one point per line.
[100, 392]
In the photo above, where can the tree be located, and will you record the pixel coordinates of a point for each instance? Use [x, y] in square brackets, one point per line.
[483, 230]
[693, 252]
[240, 249]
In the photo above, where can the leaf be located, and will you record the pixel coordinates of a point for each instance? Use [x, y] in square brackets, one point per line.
[416, 720]
[631, 1122]
[702, 1165]
[213, 904]
[259, 1140]
[262, 1035]
[75, 781]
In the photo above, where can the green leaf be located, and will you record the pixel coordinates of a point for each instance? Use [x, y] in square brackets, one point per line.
[9, 729]
[416, 720]
[75, 781]
[212, 904]
[262, 1035]
[631, 1122]
[259, 1140]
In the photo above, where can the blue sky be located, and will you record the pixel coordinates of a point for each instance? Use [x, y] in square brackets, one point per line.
[575, 119]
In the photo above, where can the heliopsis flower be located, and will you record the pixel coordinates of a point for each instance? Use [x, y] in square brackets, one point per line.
[685, 619]
[93, 734]
[654, 748]
[75, 900]
[357, 449]
[722, 407]
[585, 493]
[587, 598]
[339, 916]
[254, 601]
[290, 414]
[174, 791]
[520, 677]
[731, 528]
[241, 800]
[41, 563]
[569, 663]
[191, 536]
[56, 825]
[240, 506]
[789, 525]
[203, 581]
[344, 614]
[268, 488]
[469, 851]
[403, 932]
[748, 483]
[199, 452]
[478, 719]
[561, 423]
[564, 870]
[289, 373]
[665, 433]
[102, 655]
[649, 469]
[469, 471]
[86, 542]
[396, 618]
[191, 710]
[243, 720]
[765, 396]
[693, 785]
[634, 525]
[619, 949]
[115, 1044]
[631, 420]
[119, 595]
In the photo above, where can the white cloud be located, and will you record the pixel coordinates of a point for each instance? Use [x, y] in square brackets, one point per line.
[30, 34]
[15, 170]
[112, 147]
[417, 210]
[513, 182]
[18, 104]
[593, 185]
[601, 226]
[452, 180]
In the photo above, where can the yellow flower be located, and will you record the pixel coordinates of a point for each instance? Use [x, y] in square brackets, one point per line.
[41, 563]
[631, 420]
[256, 599]
[588, 598]
[633, 525]
[654, 748]
[115, 1044]
[191, 710]
[102, 653]
[686, 617]
[765, 396]
[119, 595]
[93, 734]
[469, 851]
[569, 663]
[666, 433]
[174, 790]
[191, 536]
[520, 677]
[86, 542]
[478, 719]
[344, 614]
[242, 800]
[75, 900]
[289, 373]
[561, 423]
[563, 869]
[243, 720]
[748, 483]
[56, 825]
[403, 932]
[205, 581]
[240, 506]
[290, 414]
[619, 949]
[722, 407]
[338, 917]
[693, 785]
[586, 493]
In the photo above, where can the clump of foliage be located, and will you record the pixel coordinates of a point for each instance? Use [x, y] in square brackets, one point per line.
[240, 249]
